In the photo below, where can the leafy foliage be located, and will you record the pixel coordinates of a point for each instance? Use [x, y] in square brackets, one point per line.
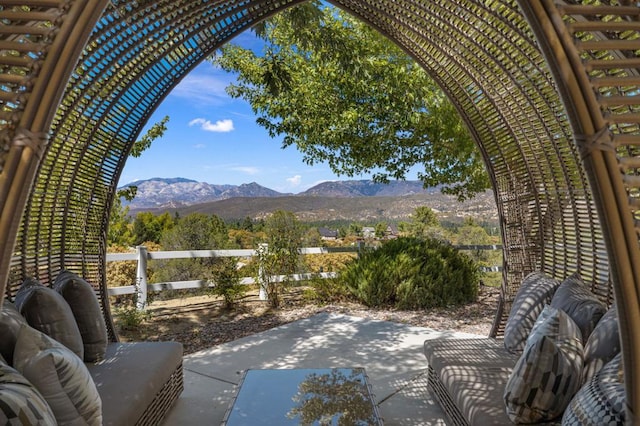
[413, 273]
[226, 276]
[345, 95]
[196, 231]
[280, 255]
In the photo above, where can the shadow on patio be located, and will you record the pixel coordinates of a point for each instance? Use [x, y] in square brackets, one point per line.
[390, 352]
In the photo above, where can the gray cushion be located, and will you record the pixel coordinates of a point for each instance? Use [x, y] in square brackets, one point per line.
[548, 373]
[601, 401]
[47, 311]
[60, 376]
[10, 323]
[580, 304]
[20, 401]
[130, 377]
[603, 344]
[536, 290]
[86, 310]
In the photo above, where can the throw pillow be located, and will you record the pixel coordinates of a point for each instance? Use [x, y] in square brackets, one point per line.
[60, 376]
[10, 322]
[536, 290]
[86, 310]
[47, 311]
[603, 344]
[602, 400]
[580, 304]
[548, 373]
[20, 401]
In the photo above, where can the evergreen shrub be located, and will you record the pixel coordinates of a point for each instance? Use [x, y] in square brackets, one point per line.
[413, 273]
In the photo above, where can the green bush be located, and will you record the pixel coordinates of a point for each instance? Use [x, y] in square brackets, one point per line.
[413, 273]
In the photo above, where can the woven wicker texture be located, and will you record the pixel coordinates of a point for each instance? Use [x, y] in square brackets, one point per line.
[548, 90]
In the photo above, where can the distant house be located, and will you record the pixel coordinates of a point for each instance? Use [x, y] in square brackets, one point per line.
[328, 234]
[368, 232]
[391, 232]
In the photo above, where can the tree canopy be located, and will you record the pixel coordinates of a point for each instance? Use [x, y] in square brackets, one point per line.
[343, 94]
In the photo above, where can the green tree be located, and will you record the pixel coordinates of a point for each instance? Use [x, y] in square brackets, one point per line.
[424, 222]
[196, 231]
[149, 227]
[280, 256]
[345, 95]
[381, 229]
[120, 232]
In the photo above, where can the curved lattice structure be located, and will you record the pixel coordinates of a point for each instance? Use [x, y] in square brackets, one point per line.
[548, 89]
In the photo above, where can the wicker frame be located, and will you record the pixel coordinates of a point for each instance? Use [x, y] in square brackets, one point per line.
[547, 88]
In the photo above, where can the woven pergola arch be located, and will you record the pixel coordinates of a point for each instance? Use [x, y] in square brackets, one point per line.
[534, 81]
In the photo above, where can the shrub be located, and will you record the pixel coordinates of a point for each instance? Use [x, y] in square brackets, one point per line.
[413, 273]
[227, 279]
[327, 290]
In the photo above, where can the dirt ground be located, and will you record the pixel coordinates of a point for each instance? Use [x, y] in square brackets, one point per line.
[199, 322]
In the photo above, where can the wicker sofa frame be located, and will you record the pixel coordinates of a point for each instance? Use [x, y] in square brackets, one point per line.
[548, 89]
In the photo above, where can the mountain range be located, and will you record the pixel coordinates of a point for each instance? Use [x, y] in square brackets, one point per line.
[158, 193]
[355, 200]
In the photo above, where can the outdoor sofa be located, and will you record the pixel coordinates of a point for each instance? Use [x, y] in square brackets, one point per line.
[558, 362]
[55, 351]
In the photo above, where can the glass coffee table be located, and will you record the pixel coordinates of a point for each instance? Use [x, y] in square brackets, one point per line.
[325, 396]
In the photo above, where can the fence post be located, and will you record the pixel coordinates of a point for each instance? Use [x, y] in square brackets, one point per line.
[360, 248]
[141, 278]
[263, 249]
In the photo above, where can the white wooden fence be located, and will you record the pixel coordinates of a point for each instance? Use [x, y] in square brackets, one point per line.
[142, 287]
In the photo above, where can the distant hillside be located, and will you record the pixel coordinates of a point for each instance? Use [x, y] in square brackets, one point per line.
[163, 193]
[175, 192]
[368, 188]
[363, 209]
[357, 200]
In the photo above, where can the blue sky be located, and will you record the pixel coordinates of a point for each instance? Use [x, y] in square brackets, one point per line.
[213, 138]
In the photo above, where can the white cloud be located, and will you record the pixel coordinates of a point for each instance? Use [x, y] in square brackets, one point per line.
[222, 126]
[295, 180]
[199, 146]
[246, 169]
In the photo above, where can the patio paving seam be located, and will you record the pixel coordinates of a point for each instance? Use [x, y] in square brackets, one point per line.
[403, 387]
[210, 377]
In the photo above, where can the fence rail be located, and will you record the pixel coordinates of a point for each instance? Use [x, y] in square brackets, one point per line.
[142, 256]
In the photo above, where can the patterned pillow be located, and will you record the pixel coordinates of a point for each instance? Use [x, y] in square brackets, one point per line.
[548, 373]
[20, 402]
[86, 310]
[60, 376]
[603, 344]
[536, 290]
[580, 304]
[47, 311]
[602, 400]
[10, 323]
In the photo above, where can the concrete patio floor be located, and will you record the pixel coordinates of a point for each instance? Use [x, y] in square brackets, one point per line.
[390, 352]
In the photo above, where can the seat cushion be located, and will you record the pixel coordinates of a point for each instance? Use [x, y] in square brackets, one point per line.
[548, 373]
[602, 400]
[475, 372]
[584, 308]
[86, 310]
[603, 344]
[131, 375]
[60, 376]
[20, 401]
[47, 311]
[10, 322]
[536, 290]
